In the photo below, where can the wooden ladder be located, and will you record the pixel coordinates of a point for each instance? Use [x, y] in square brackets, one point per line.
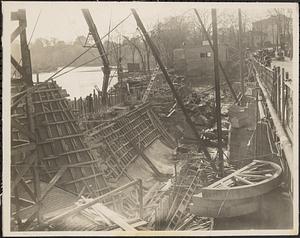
[150, 86]
[180, 210]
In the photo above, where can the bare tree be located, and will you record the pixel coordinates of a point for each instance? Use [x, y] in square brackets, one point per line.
[134, 43]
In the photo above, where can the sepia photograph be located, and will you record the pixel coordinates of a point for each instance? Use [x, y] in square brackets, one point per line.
[150, 118]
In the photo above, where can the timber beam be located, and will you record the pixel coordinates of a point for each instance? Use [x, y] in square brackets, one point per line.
[220, 64]
[155, 53]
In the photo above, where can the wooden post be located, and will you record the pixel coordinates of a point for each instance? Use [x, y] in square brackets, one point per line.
[37, 78]
[140, 186]
[94, 100]
[217, 91]
[102, 53]
[155, 53]
[286, 104]
[278, 92]
[96, 103]
[75, 104]
[274, 92]
[241, 53]
[282, 95]
[256, 120]
[220, 64]
[81, 106]
[19, 221]
[284, 141]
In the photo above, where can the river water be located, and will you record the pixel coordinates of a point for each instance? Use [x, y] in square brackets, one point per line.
[81, 81]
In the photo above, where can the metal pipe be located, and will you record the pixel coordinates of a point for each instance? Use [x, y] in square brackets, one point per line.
[169, 81]
[220, 64]
[217, 91]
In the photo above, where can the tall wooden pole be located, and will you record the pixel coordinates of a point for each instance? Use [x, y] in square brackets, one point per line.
[106, 68]
[241, 53]
[169, 81]
[217, 91]
[26, 72]
[220, 64]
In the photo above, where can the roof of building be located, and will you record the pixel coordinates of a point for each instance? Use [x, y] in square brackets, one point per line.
[270, 19]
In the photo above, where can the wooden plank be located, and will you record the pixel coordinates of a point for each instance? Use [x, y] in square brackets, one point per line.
[115, 218]
[72, 210]
[60, 138]
[242, 179]
[53, 181]
[22, 201]
[149, 194]
[25, 168]
[146, 159]
[231, 175]
[99, 213]
[22, 129]
[22, 148]
[16, 32]
[136, 224]
[17, 66]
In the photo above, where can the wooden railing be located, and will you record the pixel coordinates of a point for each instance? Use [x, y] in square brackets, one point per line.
[278, 85]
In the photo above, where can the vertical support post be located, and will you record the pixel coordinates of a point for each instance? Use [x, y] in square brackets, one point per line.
[169, 81]
[94, 100]
[37, 78]
[241, 53]
[75, 104]
[286, 104]
[140, 185]
[217, 91]
[20, 15]
[19, 221]
[175, 170]
[278, 92]
[282, 95]
[220, 64]
[274, 92]
[106, 68]
[256, 120]
[81, 106]
[25, 53]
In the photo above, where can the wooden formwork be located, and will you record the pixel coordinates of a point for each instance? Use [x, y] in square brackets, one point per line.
[55, 153]
[60, 143]
[114, 141]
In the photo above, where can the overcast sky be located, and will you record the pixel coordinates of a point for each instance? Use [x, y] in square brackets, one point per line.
[64, 20]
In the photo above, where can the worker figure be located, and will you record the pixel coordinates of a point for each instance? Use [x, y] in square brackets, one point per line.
[89, 100]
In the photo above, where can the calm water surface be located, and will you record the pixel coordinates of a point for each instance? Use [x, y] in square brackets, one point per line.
[81, 81]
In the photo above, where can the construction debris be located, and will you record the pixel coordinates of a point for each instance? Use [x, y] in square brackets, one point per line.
[150, 153]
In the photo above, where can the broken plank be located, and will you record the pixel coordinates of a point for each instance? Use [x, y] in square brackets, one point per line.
[115, 218]
[147, 196]
[136, 224]
[146, 159]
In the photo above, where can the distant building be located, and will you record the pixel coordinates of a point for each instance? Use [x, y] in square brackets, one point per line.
[271, 32]
[197, 63]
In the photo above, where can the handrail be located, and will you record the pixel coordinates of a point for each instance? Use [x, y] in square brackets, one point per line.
[283, 138]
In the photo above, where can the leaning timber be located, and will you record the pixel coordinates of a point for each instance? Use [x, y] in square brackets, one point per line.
[152, 152]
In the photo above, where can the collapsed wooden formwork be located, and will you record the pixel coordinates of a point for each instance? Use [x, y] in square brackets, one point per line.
[121, 141]
[60, 144]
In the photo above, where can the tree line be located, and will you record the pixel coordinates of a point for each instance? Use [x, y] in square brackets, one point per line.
[169, 34]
